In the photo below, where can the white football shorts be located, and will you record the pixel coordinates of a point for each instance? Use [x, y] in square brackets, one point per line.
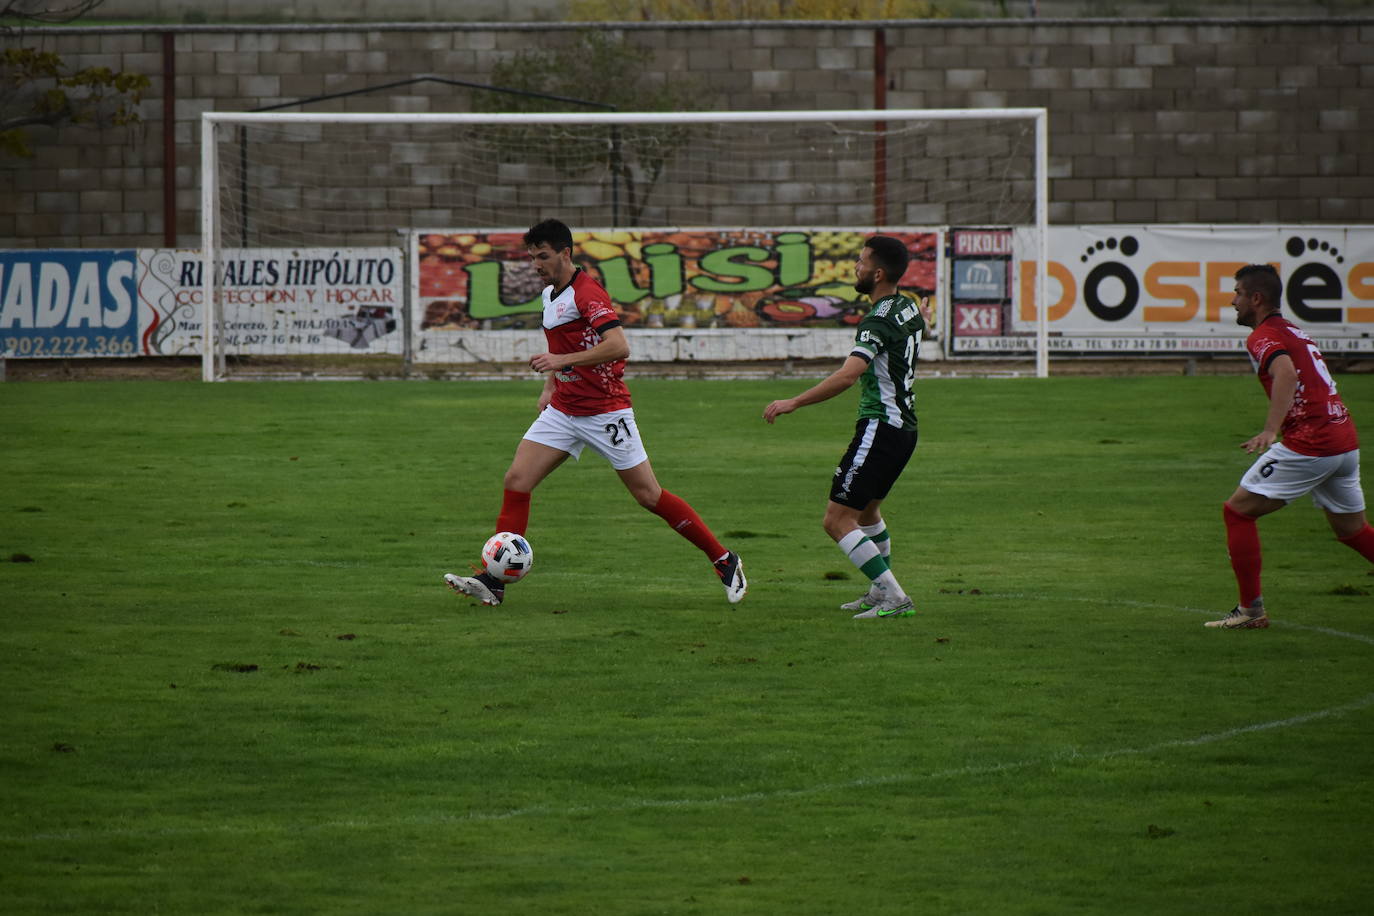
[613, 435]
[1333, 480]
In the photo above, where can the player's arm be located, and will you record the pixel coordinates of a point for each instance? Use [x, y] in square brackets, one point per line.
[927, 318]
[613, 346]
[838, 381]
[1282, 390]
[546, 394]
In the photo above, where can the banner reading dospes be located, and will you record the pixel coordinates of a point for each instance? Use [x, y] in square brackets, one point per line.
[728, 278]
[1168, 289]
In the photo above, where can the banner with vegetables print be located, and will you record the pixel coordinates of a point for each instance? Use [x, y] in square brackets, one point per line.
[739, 278]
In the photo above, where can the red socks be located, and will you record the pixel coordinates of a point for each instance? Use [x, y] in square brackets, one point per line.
[1243, 544]
[515, 516]
[1362, 542]
[515, 512]
[683, 519]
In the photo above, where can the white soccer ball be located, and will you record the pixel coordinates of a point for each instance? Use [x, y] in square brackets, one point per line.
[507, 556]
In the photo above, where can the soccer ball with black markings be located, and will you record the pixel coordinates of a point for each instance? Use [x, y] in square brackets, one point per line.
[507, 556]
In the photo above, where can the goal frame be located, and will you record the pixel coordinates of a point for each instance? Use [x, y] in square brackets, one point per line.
[213, 367]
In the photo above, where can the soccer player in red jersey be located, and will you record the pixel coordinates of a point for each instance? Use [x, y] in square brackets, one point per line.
[1319, 454]
[585, 403]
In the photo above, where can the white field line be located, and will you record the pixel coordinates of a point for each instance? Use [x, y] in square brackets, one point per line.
[647, 804]
[1283, 624]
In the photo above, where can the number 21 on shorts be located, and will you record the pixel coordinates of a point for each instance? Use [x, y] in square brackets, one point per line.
[619, 431]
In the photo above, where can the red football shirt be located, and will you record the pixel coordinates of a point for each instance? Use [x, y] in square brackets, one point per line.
[1318, 423]
[574, 319]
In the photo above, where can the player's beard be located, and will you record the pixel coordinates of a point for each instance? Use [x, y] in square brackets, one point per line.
[864, 285]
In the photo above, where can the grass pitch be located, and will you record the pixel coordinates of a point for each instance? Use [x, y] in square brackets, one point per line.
[234, 682]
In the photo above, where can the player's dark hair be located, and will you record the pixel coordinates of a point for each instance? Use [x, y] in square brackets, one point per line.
[551, 231]
[890, 255]
[1262, 279]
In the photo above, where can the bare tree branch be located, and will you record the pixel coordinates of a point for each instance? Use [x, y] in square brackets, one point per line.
[47, 120]
[15, 14]
[38, 88]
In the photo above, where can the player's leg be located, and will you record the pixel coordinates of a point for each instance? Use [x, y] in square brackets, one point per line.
[1342, 499]
[615, 436]
[1277, 477]
[885, 597]
[870, 466]
[1353, 530]
[533, 462]
[641, 483]
[682, 518]
[875, 529]
[1240, 514]
[547, 444]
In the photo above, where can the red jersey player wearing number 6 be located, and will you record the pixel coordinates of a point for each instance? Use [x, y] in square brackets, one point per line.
[1319, 454]
[585, 403]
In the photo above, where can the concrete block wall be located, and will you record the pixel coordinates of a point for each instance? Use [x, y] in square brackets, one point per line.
[1151, 120]
[239, 11]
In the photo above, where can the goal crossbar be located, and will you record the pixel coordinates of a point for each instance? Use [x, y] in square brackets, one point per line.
[626, 117]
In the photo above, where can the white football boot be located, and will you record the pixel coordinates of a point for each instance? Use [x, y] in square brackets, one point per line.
[897, 606]
[864, 601]
[476, 587]
[730, 569]
[1243, 618]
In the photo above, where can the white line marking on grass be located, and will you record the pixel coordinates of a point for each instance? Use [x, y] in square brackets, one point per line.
[1353, 706]
[1283, 624]
[647, 804]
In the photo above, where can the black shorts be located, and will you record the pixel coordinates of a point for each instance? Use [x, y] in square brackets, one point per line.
[875, 459]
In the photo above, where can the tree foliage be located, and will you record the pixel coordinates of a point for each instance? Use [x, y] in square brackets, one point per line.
[37, 88]
[709, 10]
[597, 72]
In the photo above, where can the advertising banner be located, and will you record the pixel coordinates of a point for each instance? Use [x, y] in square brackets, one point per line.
[67, 303]
[275, 301]
[1168, 289]
[662, 278]
[980, 292]
[1142, 290]
[147, 302]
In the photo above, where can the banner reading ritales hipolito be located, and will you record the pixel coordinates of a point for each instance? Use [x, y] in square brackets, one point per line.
[275, 300]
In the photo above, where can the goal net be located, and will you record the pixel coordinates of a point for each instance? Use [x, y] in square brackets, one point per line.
[345, 235]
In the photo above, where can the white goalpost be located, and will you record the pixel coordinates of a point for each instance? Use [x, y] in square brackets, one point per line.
[350, 235]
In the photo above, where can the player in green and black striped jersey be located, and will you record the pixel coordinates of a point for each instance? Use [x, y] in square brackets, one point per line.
[887, 340]
[883, 361]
